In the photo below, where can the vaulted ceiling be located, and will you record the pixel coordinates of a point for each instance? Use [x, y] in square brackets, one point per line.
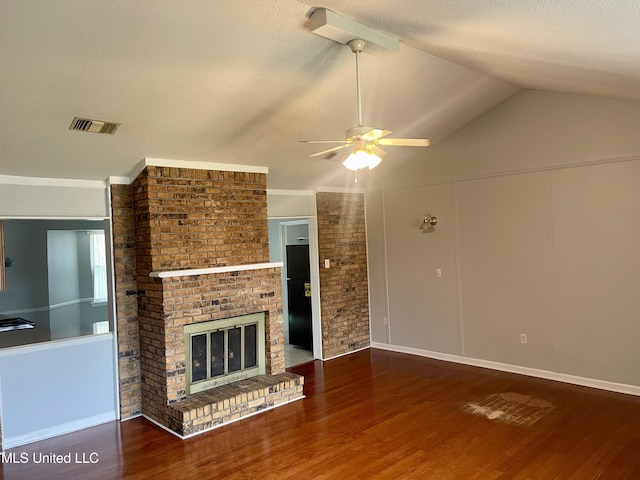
[242, 81]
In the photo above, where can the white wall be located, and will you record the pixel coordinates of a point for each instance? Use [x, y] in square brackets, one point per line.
[505, 269]
[422, 307]
[530, 130]
[44, 197]
[596, 241]
[376, 267]
[53, 388]
[537, 202]
[291, 203]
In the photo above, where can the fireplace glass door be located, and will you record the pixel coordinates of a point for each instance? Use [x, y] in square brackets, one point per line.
[224, 351]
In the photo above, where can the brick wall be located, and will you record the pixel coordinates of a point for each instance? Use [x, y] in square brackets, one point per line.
[344, 298]
[187, 218]
[178, 219]
[126, 301]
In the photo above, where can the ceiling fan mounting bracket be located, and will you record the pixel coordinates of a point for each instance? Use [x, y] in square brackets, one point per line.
[341, 29]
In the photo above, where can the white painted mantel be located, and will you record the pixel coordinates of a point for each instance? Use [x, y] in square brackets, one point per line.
[209, 270]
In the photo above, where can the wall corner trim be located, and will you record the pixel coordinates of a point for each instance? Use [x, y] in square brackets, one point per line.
[227, 167]
[118, 181]
[196, 165]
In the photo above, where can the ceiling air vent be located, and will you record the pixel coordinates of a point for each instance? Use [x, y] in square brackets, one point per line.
[93, 126]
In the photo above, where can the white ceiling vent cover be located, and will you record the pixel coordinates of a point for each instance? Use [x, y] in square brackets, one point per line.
[93, 126]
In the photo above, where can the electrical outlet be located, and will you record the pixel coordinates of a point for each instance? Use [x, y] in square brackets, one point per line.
[386, 321]
[327, 263]
[523, 338]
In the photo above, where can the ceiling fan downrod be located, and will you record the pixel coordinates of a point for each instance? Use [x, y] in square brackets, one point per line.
[357, 46]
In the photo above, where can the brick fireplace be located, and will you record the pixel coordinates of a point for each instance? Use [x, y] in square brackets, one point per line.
[200, 241]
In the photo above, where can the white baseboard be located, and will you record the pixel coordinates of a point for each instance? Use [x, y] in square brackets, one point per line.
[346, 353]
[504, 367]
[43, 434]
[131, 417]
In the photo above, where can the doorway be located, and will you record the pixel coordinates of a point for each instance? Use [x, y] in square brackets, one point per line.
[290, 242]
[299, 296]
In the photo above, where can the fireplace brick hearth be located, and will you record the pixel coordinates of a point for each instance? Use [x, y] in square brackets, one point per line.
[205, 410]
[200, 239]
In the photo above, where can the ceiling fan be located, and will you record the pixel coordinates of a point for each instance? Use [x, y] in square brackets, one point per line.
[365, 141]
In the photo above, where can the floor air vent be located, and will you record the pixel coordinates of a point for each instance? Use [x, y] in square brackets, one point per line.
[93, 126]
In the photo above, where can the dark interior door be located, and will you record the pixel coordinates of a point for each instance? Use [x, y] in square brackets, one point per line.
[299, 297]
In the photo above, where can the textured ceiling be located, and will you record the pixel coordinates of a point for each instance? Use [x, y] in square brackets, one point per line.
[579, 46]
[241, 81]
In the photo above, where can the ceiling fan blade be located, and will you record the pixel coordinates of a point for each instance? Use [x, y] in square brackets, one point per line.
[329, 151]
[373, 148]
[325, 141]
[405, 142]
[375, 133]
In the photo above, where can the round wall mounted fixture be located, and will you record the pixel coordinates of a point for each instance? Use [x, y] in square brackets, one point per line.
[429, 222]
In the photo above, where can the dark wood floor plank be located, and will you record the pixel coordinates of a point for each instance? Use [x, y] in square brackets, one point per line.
[375, 414]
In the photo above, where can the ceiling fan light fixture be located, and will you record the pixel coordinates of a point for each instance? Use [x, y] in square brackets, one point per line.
[374, 161]
[360, 159]
[366, 140]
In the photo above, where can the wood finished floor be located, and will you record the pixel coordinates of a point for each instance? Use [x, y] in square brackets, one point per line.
[375, 414]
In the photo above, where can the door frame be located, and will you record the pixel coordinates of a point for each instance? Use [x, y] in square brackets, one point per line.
[316, 324]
